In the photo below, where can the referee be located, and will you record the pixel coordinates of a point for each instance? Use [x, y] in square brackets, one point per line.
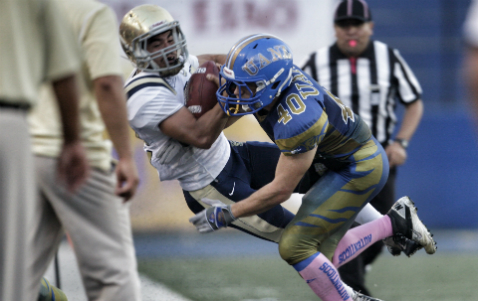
[371, 78]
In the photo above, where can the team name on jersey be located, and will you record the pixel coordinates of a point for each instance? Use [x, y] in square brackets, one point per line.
[294, 104]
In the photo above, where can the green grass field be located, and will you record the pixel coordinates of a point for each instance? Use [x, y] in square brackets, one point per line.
[444, 276]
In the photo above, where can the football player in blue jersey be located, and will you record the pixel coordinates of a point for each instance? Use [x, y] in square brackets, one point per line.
[225, 171]
[312, 128]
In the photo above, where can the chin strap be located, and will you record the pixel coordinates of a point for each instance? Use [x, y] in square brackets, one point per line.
[274, 78]
[286, 81]
[234, 111]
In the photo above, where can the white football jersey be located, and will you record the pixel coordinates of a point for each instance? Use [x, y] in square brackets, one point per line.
[152, 99]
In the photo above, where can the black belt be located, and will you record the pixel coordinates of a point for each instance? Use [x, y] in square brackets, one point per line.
[15, 106]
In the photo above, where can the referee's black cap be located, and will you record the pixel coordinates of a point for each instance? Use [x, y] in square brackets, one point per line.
[352, 9]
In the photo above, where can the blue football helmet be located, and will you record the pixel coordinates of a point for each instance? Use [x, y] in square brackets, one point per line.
[260, 64]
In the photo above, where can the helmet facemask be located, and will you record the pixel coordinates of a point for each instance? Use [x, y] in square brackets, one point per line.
[260, 92]
[247, 97]
[261, 61]
[145, 60]
[143, 23]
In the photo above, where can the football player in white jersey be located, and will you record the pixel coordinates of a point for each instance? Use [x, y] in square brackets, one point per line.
[195, 151]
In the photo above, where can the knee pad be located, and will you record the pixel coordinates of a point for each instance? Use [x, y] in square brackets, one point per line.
[294, 250]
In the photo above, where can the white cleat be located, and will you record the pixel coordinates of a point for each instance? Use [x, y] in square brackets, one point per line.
[405, 222]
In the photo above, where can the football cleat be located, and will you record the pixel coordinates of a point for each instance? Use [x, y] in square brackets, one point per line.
[361, 297]
[398, 244]
[405, 222]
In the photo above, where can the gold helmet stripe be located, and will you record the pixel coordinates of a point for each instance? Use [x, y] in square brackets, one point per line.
[237, 48]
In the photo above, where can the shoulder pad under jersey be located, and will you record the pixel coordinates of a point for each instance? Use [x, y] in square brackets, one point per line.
[140, 82]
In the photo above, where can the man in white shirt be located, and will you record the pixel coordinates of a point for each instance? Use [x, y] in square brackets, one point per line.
[96, 218]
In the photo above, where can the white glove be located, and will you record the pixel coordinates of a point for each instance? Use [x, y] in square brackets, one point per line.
[213, 218]
[168, 153]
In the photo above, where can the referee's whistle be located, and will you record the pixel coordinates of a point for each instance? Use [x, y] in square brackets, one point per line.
[352, 43]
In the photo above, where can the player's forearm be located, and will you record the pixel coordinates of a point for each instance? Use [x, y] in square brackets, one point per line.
[66, 92]
[262, 200]
[217, 58]
[112, 105]
[411, 120]
[231, 121]
[210, 125]
[289, 172]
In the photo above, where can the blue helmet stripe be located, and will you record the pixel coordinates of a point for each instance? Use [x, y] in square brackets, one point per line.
[236, 49]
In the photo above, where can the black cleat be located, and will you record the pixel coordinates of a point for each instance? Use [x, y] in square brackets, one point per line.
[405, 222]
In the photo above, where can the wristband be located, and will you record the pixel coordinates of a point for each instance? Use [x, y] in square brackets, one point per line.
[402, 142]
[228, 217]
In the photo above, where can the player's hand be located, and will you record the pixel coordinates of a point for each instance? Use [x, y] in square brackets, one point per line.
[127, 178]
[214, 79]
[73, 168]
[219, 66]
[396, 154]
[170, 150]
[213, 218]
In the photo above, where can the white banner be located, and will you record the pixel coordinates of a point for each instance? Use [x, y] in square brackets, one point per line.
[214, 26]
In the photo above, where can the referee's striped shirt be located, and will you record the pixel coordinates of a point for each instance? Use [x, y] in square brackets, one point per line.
[370, 84]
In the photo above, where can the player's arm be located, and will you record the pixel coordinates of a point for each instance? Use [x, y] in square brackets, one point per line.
[201, 132]
[232, 119]
[217, 58]
[289, 172]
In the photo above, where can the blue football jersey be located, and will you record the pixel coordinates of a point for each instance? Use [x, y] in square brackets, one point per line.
[307, 115]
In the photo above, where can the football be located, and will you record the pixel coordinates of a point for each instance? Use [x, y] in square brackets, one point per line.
[200, 93]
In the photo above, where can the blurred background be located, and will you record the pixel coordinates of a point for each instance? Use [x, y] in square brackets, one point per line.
[441, 173]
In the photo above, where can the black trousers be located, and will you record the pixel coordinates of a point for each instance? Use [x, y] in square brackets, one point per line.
[353, 272]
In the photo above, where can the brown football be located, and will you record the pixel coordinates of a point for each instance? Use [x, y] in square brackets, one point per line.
[200, 93]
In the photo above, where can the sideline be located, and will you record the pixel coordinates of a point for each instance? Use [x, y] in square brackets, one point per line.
[73, 288]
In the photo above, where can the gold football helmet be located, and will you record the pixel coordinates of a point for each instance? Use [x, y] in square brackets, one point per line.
[144, 22]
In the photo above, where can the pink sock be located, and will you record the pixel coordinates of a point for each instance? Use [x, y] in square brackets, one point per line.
[357, 239]
[322, 277]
